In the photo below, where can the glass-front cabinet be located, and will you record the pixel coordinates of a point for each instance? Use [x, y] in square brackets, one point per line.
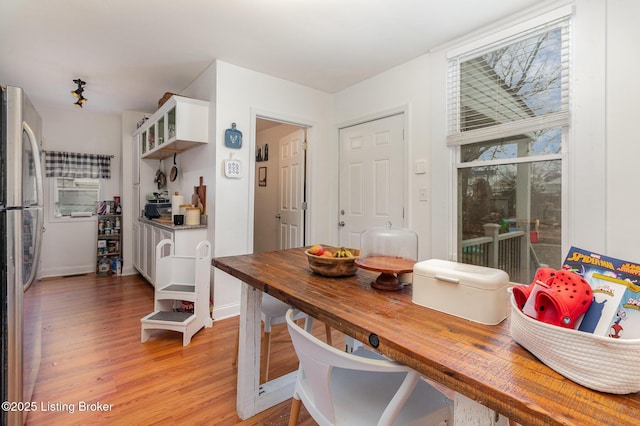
[152, 137]
[178, 125]
[143, 143]
[160, 125]
[171, 122]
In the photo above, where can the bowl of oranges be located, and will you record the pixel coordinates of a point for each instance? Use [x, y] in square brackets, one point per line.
[332, 261]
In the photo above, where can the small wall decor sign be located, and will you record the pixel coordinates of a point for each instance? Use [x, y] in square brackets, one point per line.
[233, 137]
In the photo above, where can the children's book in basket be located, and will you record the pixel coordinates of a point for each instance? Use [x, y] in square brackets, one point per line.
[615, 310]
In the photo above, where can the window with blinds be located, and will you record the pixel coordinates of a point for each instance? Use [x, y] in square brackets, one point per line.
[515, 86]
[508, 111]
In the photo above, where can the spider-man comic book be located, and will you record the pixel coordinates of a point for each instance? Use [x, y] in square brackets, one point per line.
[615, 309]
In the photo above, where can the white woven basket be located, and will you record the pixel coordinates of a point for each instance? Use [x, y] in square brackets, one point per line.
[599, 363]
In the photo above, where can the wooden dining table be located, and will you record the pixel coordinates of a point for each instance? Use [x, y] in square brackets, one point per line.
[487, 370]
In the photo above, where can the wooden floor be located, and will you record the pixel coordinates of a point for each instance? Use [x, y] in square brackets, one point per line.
[91, 353]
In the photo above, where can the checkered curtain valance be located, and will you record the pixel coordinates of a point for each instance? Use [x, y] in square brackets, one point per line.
[77, 165]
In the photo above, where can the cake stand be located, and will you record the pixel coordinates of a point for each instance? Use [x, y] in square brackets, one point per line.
[389, 267]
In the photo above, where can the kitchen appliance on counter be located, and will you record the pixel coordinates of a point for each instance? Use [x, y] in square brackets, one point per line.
[153, 210]
[158, 205]
[21, 220]
[158, 197]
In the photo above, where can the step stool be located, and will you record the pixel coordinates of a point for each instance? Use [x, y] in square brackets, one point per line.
[180, 278]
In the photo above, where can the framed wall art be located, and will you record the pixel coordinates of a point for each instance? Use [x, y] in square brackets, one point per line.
[262, 176]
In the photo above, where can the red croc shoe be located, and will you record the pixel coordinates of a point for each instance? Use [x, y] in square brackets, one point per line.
[567, 297]
[522, 292]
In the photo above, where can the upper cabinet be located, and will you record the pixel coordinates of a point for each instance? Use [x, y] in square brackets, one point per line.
[180, 123]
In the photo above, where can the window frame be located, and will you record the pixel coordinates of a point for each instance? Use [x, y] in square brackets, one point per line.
[561, 120]
[68, 218]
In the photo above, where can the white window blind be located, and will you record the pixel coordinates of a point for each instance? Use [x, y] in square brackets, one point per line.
[510, 87]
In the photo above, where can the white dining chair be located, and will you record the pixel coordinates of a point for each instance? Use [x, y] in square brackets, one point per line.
[360, 388]
[273, 313]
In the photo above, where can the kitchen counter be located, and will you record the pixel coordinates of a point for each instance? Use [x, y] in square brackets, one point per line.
[148, 233]
[171, 227]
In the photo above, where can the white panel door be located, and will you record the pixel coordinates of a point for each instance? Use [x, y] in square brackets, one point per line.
[371, 177]
[291, 191]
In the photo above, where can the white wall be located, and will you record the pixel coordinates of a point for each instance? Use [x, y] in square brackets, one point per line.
[584, 220]
[622, 228]
[239, 95]
[69, 245]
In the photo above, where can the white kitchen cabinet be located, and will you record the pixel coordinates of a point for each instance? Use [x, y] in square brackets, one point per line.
[150, 233]
[136, 248]
[135, 161]
[180, 124]
[147, 259]
[135, 203]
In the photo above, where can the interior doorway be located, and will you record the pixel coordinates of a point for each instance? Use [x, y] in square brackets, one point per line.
[280, 215]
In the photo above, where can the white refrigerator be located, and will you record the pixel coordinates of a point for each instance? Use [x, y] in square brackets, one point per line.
[21, 226]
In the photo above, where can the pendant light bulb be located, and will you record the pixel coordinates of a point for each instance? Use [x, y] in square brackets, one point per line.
[77, 93]
[80, 101]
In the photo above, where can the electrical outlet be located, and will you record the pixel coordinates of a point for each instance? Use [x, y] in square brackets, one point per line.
[422, 194]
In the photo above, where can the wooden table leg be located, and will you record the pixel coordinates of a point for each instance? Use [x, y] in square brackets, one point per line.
[253, 397]
[467, 411]
[248, 351]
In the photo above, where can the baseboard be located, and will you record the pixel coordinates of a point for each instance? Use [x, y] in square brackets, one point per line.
[129, 270]
[227, 311]
[66, 270]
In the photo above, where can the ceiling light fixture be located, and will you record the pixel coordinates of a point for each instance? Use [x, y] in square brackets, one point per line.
[78, 92]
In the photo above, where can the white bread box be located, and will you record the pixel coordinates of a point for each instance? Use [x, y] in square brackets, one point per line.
[476, 293]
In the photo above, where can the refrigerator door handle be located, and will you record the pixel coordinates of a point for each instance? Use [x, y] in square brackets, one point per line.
[39, 211]
[38, 229]
[37, 162]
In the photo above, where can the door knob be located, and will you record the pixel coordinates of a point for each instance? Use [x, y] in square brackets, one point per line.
[278, 216]
[341, 223]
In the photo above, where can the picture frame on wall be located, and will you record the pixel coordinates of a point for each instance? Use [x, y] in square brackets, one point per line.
[262, 176]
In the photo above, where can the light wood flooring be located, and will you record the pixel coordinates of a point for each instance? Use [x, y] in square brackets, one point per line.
[91, 352]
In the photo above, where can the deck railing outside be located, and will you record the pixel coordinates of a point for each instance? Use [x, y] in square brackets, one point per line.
[508, 251]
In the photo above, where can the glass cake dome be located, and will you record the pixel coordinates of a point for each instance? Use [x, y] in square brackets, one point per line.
[390, 252]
